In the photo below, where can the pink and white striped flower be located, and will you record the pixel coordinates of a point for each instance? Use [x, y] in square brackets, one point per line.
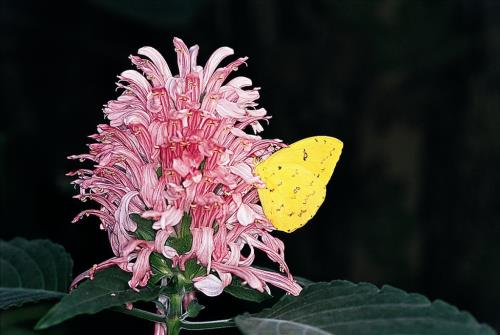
[175, 145]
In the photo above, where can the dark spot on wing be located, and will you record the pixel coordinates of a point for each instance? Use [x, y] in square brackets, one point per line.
[305, 155]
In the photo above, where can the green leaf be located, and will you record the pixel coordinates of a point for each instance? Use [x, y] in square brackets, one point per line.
[244, 292]
[159, 172]
[182, 243]
[303, 281]
[194, 308]
[144, 229]
[344, 308]
[160, 264]
[109, 288]
[202, 165]
[31, 271]
[192, 269]
[185, 231]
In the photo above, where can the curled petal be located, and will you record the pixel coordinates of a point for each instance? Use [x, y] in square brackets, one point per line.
[244, 171]
[171, 217]
[141, 270]
[205, 245]
[229, 109]
[181, 167]
[122, 212]
[210, 285]
[183, 57]
[157, 60]
[214, 61]
[160, 240]
[193, 53]
[240, 133]
[120, 261]
[245, 215]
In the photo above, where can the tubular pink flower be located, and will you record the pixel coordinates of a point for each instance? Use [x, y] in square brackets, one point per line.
[178, 145]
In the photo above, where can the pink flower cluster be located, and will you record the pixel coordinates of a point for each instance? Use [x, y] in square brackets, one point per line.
[178, 144]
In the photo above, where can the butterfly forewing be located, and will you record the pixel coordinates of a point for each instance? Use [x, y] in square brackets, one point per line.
[318, 154]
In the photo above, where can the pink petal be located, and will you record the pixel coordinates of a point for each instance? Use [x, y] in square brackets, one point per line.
[210, 285]
[157, 60]
[229, 109]
[122, 212]
[183, 57]
[240, 133]
[244, 171]
[214, 61]
[240, 82]
[245, 215]
[181, 167]
[169, 218]
[141, 269]
[193, 53]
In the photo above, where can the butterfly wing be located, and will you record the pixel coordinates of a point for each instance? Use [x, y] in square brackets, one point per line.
[295, 180]
[318, 154]
[292, 196]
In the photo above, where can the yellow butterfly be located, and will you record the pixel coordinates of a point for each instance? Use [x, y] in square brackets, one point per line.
[295, 180]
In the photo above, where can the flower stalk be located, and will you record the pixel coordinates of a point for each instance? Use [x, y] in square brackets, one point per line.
[175, 310]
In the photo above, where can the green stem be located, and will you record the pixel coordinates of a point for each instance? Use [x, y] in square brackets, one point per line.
[139, 313]
[206, 325]
[174, 313]
[175, 307]
[176, 324]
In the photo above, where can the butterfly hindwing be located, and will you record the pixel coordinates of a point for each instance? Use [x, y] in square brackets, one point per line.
[291, 197]
[295, 179]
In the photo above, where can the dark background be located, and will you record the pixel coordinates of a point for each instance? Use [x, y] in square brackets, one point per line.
[410, 87]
